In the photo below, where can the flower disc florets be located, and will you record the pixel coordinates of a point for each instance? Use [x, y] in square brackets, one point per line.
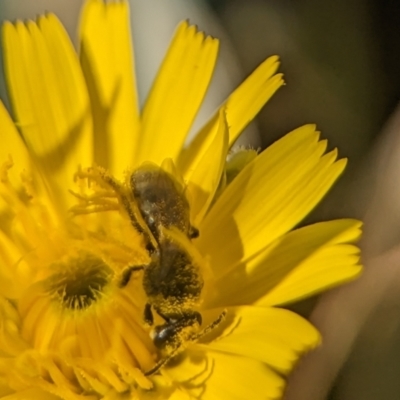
[78, 282]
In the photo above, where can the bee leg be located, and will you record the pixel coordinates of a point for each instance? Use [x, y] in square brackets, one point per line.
[198, 317]
[139, 226]
[148, 315]
[133, 214]
[193, 232]
[188, 319]
[162, 362]
[126, 275]
[209, 327]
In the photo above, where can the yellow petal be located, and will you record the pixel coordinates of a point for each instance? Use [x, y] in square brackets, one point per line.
[218, 375]
[329, 266]
[10, 255]
[177, 94]
[179, 395]
[248, 99]
[14, 153]
[12, 146]
[205, 171]
[107, 63]
[31, 394]
[235, 377]
[241, 106]
[297, 265]
[268, 198]
[271, 335]
[49, 97]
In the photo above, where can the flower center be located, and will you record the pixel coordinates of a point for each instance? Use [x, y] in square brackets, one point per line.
[80, 281]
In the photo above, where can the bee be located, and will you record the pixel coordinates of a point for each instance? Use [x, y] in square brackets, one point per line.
[172, 280]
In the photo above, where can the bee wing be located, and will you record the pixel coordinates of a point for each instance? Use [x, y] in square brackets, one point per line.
[170, 168]
[171, 182]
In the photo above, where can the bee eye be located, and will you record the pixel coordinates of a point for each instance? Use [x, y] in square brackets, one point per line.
[164, 335]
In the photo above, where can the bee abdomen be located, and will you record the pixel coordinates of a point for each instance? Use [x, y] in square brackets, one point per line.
[180, 281]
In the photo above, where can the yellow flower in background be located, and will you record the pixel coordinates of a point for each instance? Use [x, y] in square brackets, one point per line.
[71, 328]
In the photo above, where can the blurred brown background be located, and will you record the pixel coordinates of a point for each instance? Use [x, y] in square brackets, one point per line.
[341, 61]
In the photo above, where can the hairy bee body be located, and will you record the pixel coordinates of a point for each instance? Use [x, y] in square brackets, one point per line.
[172, 280]
[160, 200]
[173, 283]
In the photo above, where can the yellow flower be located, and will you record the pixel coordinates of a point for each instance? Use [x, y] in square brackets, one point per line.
[71, 316]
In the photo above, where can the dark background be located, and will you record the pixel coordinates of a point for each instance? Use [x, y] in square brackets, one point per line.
[341, 61]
